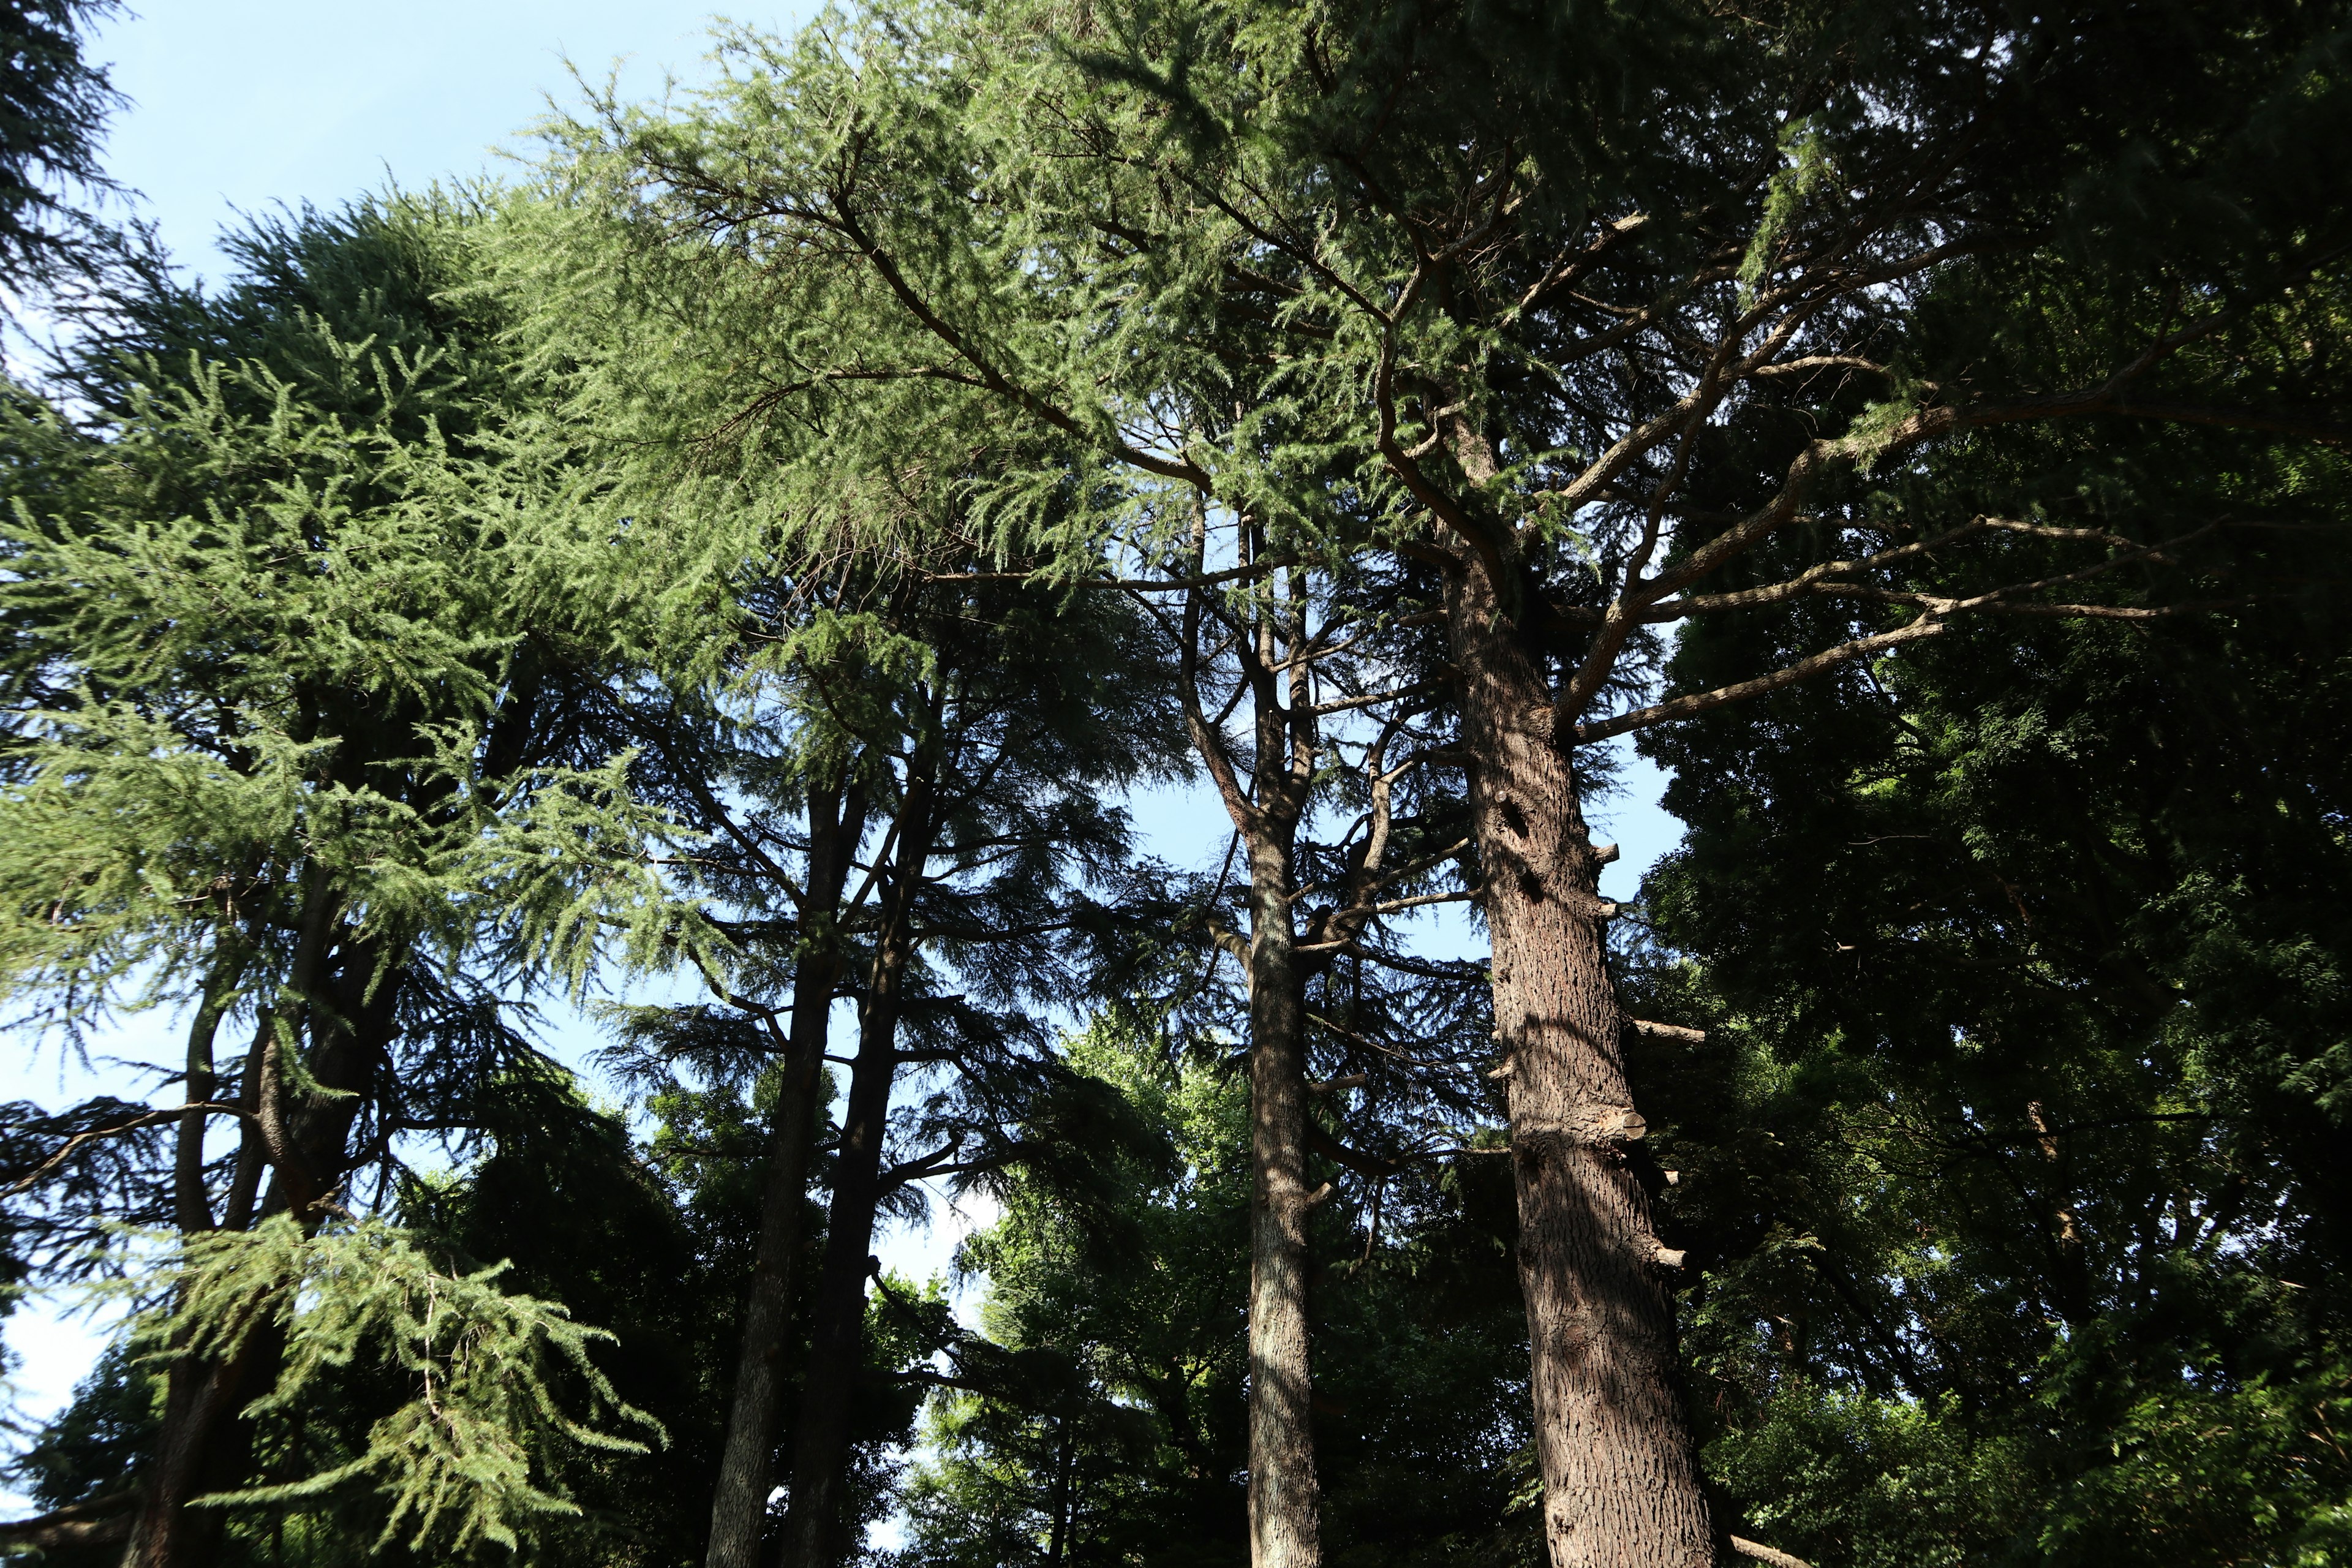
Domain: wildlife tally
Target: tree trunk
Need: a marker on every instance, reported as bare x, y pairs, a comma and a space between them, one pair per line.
739, 1504
837, 1329
1612, 1442
837, 1334
196, 1392
1284, 1524
192, 1205
205, 1447
1282, 1492
1057, 1541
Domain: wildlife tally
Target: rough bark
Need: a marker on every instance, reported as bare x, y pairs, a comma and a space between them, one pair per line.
837, 1326
1283, 1515
739, 1503
1621, 1480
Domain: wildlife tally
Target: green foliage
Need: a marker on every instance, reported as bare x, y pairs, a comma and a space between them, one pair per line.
468, 1457
651, 1242
100, 1440
1102, 1406
1875, 1480
1110, 1381
263, 631
306, 651
483, 593
2010, 1162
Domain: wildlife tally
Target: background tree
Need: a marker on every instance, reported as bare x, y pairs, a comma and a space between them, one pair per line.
1300, 657
1103, 1417
53, 105
2025, 949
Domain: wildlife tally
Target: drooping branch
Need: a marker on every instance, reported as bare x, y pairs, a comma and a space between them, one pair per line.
100, 1521
89, 1135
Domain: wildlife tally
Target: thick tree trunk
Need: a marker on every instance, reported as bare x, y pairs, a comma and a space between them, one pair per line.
1284, 1530
1621, 1480
837, 1329
739, 1503
205, 1445
201, 1400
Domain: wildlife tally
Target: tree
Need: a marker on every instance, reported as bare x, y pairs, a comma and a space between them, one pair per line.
285, 750
1284, 648
1278, 643
1267, 648
53, 105
1592, 309
2018, 947
1102, 1418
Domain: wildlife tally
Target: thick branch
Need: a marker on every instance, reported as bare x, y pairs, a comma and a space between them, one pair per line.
1926, 625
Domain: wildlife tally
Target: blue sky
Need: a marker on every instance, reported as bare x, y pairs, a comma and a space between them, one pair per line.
243, 104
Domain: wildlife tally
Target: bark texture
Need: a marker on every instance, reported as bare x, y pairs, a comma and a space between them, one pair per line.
739, 1503
1621, 1482
1283, 1512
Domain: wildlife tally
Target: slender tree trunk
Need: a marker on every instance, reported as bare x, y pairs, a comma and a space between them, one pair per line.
739, 1504
196, 1392
836, 1337
1621, 1480
1283, 1518
252, 1154
838, 1331
1284, 1522
1057, 1541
